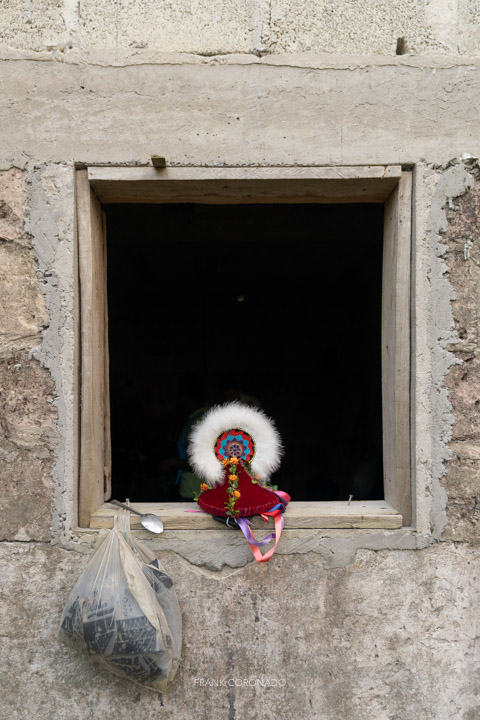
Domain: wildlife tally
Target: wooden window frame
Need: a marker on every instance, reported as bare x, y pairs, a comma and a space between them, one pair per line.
388, 184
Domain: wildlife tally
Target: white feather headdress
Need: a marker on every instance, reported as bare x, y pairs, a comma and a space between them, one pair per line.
268, 446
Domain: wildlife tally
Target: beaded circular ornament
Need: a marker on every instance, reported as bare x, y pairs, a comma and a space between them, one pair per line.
235, 443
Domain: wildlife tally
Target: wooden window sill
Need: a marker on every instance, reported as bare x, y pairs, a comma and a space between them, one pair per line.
299, 515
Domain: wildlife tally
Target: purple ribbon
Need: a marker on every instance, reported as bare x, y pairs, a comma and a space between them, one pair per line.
243, 524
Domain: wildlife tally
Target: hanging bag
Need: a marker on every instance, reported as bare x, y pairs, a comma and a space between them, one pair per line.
123, 611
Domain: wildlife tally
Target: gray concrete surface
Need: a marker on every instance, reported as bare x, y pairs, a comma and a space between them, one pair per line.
292, 111
391, 635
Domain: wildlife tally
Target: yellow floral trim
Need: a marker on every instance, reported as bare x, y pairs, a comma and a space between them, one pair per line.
232, 493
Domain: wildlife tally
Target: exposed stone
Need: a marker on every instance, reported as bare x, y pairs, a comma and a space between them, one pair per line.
27, 415
371, 27
12, 201
203, 27
22, 306
33, 24
462, 478
27, 440
447, 27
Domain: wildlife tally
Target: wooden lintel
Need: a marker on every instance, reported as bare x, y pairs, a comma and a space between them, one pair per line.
372, 183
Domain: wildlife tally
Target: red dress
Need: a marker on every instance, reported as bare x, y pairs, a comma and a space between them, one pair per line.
254, 499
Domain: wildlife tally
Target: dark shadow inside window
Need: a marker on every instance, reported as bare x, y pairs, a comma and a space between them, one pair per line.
278, 304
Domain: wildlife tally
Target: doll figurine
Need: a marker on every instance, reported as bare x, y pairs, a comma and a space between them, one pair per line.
234, 448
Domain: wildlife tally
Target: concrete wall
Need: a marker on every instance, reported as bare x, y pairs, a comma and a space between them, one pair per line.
386, 622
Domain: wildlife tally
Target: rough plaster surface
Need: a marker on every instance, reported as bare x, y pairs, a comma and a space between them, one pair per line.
352, 112
433, 332
390, 636
370, 27
462, 481
50, 223
220, 549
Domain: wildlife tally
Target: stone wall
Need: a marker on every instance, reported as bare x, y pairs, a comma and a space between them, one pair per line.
221, 27
365, 625
27, 393
462, 478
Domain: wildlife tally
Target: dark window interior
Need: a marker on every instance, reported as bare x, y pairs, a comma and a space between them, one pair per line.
278, 304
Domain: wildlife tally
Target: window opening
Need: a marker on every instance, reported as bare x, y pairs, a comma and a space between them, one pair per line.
279, 304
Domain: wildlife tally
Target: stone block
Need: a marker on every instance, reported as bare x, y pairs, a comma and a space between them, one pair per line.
12, 200
202, 27
22, 305
462, 483
468, 33
463, 382
32, 24
374, 27
27, 441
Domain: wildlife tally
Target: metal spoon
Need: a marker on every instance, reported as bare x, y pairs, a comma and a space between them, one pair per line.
149, 521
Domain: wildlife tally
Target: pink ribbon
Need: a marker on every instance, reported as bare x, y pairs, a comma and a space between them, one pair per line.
254, 545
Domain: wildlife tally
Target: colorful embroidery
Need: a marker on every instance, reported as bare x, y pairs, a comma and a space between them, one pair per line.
234, 444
